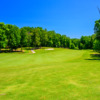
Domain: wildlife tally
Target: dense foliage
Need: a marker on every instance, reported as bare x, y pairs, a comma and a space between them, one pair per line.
13, 37
97, 32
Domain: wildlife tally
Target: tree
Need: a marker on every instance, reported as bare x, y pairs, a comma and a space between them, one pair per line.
2, 26
97, 29
86, 41
96, 45
50, 38
24, 37
58, 40
13, 36
65, 41
3, 39
93, 37
43, 37
76, 42
72, 46
36, 37
28, 34
81, 46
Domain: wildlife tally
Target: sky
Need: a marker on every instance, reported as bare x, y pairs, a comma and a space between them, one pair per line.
72, 18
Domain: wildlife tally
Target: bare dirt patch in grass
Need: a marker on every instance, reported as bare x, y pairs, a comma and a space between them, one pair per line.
50, 49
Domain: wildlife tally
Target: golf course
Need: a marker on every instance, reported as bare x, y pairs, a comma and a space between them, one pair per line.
50, 74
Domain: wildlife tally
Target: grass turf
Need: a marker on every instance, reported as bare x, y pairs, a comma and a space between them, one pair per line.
60, 74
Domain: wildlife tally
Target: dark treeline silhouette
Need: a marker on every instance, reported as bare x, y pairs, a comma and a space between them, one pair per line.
13, 37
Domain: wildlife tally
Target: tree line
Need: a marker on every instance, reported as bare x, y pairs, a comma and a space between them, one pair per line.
13, 37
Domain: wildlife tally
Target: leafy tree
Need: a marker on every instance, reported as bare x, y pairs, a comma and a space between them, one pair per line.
36, 37
93, 37
58, 40
72, 46
24, 37
13, 36
76, 42
96, 45
86, 41
81, 46
28, 35
97, 29
65, 41
43, 37
2, 26
50, 38
3, 39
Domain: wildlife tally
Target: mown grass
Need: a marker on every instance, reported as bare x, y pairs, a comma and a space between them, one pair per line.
60, 74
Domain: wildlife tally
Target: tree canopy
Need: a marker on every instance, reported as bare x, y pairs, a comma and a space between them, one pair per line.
96, 45
13, 37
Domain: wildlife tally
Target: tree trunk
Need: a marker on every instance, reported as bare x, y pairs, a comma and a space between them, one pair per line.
21, 48
11, 50
0, 49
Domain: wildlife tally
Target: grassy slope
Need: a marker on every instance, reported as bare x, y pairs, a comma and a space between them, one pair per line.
61, 74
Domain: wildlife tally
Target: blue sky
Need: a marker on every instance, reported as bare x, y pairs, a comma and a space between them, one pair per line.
73, 18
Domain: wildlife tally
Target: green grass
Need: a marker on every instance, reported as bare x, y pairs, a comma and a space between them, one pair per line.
60, 74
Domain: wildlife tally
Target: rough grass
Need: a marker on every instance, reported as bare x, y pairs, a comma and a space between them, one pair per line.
60, 74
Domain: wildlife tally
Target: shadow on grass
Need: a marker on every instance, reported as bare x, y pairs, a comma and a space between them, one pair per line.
32, 48
94, 57
8, 51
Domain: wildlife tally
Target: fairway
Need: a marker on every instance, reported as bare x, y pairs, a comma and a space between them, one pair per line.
59, 74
